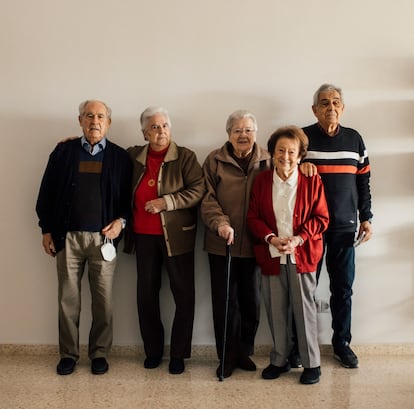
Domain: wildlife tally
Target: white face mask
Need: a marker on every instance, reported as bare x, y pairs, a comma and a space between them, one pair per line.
108, 250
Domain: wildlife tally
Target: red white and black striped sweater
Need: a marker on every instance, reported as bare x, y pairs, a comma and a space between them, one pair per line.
343, 164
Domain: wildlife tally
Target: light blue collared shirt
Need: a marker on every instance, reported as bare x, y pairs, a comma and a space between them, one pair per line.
93, 150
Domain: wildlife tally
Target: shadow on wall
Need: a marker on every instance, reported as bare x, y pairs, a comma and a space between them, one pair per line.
392, 73
392, 175
389, 140
384, 287
400, 237
393, 121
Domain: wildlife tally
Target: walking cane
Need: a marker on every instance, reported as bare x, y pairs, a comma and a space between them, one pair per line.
228, 262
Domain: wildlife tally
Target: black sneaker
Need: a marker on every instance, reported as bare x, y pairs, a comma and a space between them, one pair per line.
346, 356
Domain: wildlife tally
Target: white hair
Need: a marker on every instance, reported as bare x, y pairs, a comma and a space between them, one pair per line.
151, 111
83, 104
239, 114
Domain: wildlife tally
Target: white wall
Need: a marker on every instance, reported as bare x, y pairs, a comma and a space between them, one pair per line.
202, 60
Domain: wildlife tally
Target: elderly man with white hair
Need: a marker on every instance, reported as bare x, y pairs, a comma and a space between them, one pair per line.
84, 200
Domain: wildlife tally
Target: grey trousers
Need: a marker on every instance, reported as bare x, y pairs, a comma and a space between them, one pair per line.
282, 294
81, 248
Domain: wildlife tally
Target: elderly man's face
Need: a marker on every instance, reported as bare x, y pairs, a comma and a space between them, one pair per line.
242, 136
94, 122
329, 109
157, 132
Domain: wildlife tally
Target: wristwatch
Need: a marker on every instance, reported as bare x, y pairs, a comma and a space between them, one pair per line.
123, 222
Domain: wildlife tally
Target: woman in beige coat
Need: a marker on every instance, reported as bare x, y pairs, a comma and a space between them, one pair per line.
229, 173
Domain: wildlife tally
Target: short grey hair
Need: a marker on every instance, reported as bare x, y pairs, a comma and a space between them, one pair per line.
239, 114
151, 111
324, 88
83, 104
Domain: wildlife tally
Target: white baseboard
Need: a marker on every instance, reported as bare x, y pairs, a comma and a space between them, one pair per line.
204, 351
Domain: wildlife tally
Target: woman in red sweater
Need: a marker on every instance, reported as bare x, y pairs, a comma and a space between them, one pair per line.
287, 216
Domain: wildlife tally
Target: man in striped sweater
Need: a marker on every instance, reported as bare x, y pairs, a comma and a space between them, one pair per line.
341, 159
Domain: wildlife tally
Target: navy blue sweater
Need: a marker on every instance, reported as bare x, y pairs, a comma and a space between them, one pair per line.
343, 164
60, 181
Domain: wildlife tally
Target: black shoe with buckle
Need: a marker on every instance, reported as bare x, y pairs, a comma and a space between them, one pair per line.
310, 375
99, 366
66, 366
346, 356
273, 371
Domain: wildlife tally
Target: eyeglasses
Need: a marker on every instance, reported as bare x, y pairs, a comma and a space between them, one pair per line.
240, 131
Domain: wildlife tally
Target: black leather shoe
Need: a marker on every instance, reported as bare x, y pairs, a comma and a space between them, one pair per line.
228, 370
176, 366
99, 366
273, 371
246, 363
310, 375
66, 366
152, 362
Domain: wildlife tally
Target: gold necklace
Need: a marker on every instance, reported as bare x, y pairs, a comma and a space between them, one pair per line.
152, 173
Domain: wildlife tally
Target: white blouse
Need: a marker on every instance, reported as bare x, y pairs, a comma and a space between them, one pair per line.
284, 199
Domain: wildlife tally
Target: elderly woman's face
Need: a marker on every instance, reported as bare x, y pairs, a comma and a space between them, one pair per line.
242, 136
157, 132
286, 156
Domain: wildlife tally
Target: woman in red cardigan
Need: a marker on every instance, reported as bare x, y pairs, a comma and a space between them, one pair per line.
287, 216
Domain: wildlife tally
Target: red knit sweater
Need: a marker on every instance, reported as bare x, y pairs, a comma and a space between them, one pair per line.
144, 222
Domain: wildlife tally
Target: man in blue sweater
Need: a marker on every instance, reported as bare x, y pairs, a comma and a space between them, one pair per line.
84, 198
341, 159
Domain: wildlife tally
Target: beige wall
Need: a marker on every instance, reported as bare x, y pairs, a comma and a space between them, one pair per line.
202, 60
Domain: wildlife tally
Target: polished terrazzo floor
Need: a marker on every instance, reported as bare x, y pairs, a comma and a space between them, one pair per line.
29, 381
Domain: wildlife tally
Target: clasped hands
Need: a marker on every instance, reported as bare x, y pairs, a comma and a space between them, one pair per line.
285, 245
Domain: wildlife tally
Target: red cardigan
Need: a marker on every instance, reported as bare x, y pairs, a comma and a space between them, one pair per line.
310, 220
